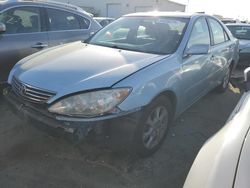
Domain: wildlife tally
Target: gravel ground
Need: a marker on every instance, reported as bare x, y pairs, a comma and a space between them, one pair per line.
31, 158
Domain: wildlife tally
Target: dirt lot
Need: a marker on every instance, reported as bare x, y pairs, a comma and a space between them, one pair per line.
31, 158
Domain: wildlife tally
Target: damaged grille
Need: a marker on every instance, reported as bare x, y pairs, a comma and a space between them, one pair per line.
31, 93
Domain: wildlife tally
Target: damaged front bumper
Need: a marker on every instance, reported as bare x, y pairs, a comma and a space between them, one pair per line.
79, 128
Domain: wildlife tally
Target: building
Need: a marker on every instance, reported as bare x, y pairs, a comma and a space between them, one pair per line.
117, 8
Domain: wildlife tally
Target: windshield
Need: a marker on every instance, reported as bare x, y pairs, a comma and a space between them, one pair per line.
158, 35
240, 32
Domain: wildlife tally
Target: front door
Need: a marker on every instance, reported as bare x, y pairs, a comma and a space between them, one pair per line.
195, 67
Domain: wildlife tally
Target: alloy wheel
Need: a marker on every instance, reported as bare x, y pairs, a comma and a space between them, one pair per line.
156, 126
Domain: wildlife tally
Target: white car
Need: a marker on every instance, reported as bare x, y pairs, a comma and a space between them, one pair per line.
224, 160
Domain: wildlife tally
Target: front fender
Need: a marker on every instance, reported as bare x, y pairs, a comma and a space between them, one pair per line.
152, 81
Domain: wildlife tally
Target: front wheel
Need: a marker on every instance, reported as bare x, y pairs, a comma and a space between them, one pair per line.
153, 126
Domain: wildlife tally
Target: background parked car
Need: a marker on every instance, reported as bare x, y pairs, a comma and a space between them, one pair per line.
224, 159
242, 32
227, 21
104, 20
27, 27
130, 84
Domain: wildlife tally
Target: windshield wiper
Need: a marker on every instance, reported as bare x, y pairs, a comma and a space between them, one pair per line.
117, 47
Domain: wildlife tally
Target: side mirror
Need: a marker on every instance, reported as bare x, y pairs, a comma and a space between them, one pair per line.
197, 49
2, 27
247, 79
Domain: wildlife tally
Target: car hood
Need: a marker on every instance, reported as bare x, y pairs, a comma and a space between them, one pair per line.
77, 67
244, 44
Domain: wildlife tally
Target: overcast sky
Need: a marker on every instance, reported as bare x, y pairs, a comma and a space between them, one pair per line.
227, 8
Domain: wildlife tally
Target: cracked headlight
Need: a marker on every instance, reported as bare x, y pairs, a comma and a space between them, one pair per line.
91, 104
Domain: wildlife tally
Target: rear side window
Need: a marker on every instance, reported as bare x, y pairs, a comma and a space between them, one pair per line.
21, 20
200, 33
61, 20
217, 31
84, 22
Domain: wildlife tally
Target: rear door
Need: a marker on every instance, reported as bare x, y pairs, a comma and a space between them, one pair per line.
66, 27
25, 34
222, 51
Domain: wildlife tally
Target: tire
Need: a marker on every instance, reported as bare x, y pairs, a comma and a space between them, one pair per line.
153, 126
224, 85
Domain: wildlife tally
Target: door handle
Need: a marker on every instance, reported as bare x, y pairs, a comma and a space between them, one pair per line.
39, 45
225, 50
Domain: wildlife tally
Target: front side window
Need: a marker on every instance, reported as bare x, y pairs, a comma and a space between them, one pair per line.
62, 20
200, 33
217, 31
21, 20
159, 35
240, 32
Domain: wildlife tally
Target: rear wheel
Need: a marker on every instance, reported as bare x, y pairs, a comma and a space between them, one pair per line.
153, 126
224, 85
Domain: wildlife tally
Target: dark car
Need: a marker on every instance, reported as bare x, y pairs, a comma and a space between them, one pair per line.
242, 32
29, 26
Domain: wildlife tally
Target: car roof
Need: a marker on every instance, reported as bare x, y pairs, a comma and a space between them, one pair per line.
167, 14
47, 2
